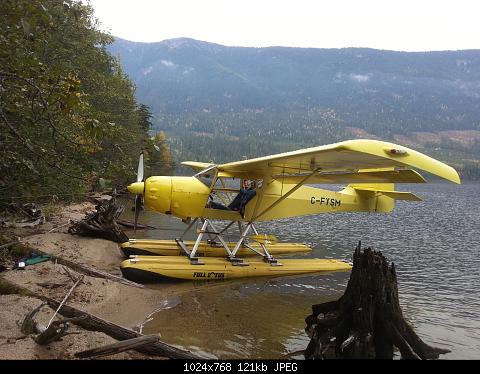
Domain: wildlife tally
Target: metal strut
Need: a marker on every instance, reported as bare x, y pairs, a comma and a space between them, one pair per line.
231, 254
267, 256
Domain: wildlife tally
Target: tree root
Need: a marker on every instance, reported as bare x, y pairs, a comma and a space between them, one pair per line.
367, 320
102, 223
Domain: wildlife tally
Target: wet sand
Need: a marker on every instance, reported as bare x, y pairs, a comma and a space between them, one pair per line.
121, 304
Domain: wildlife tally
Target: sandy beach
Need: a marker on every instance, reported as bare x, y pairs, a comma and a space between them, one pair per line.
118, 303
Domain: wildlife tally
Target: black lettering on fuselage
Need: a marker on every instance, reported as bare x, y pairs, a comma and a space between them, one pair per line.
325, 201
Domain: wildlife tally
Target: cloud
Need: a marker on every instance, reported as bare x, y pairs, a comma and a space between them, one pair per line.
147, 70
167, 63
359, 77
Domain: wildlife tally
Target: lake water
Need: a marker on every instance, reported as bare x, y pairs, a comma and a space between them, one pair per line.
435, 245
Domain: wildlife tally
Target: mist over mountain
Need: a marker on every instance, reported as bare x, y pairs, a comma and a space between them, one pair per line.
223, 103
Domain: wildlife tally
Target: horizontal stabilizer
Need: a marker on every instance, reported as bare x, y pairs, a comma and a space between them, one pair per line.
397, 195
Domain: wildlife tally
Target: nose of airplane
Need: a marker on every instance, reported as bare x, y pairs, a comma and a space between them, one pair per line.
136, 188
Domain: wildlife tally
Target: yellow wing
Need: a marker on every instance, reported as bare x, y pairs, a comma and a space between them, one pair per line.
197, 166
372, 157
362, 176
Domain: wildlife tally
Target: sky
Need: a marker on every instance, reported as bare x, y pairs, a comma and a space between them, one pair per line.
401, 25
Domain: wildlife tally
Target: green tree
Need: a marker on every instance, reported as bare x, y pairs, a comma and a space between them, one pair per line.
68, 114
160, 158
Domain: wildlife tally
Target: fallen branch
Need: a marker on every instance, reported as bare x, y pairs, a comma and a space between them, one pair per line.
23, 215
9, 244
93, 323
29, 325
84, 269
59, 227
56, 331
38, 221
102, 274
50, 285
64, 300
70, 275
118, 347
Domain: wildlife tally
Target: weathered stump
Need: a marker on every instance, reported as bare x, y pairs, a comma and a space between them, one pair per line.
102, 223
367, 321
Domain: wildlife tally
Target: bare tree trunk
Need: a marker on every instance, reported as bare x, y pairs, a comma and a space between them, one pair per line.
367, 321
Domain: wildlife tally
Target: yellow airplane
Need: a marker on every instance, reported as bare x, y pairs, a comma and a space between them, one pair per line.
370, 168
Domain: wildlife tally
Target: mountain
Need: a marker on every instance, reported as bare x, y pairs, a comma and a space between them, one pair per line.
219, 103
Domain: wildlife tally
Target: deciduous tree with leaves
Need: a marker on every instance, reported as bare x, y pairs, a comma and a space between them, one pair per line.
68, 113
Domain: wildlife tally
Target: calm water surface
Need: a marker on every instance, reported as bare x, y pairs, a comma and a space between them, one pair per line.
435, 245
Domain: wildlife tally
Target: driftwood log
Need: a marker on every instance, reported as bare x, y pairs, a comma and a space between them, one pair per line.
91, 322
367, 321
102, 223
81, 268
21, 215
118, 347
94, 323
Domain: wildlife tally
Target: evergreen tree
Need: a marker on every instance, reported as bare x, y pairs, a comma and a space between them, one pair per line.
68, 114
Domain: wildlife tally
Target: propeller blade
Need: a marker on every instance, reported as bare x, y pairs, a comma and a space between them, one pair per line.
140, 168
138, 207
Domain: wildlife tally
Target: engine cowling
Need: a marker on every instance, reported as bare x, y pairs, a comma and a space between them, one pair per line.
182, 197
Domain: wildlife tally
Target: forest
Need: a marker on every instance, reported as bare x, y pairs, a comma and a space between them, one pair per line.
221, 103
70, 122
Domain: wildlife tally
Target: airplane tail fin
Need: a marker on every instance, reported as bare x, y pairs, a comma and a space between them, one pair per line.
380, 197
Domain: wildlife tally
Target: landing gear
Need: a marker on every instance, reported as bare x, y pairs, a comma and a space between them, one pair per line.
208, 228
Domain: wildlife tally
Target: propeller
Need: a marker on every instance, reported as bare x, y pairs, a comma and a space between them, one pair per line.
138, 207
140, 169
138, 188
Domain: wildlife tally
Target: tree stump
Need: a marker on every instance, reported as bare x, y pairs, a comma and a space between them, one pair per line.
102, 223
367, 321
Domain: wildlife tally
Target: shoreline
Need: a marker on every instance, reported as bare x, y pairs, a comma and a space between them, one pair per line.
118, 303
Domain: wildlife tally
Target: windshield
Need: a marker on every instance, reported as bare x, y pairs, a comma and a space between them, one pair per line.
207, 176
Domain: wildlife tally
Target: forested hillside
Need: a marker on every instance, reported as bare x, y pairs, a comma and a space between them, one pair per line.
69, 119
224, 103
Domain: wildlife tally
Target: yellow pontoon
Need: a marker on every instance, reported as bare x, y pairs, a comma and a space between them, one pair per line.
154, 268
205, 248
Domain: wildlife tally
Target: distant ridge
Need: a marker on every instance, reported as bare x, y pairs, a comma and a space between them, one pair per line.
220, 103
